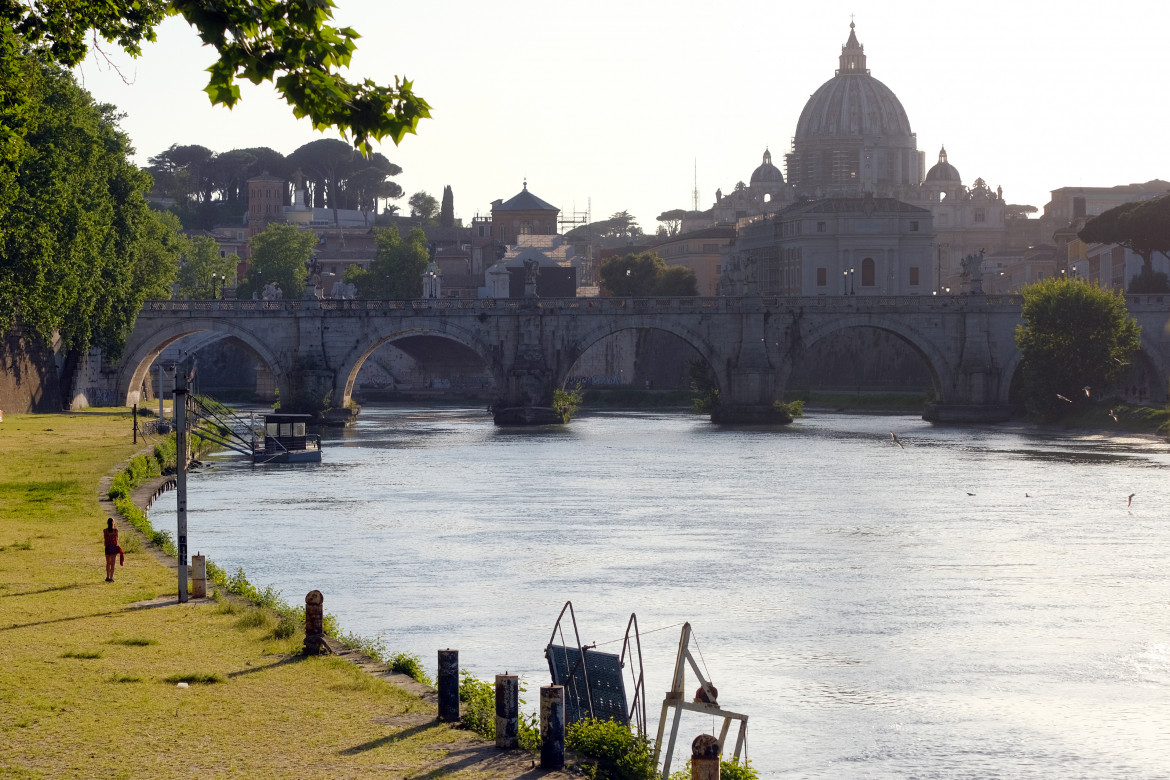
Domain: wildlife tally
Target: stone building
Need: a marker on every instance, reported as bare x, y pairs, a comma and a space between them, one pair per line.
521, 215
835, 246
701, 251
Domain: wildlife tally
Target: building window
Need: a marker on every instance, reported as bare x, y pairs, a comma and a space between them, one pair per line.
710, 247
821, 227
822, 277
867, 272
913, 226
980, 215
913, 276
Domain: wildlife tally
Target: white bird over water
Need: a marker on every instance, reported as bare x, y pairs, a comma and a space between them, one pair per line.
894, 436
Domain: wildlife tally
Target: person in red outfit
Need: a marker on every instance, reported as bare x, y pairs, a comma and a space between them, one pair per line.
110, 537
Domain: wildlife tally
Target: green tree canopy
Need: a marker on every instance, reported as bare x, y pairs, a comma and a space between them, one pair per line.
621, 229
280, 256
672, 220
645, 274
1143, 227
397, 268
1073, 336
290, 44
161, 247
79, 248
203, 273
423, 206
447, 210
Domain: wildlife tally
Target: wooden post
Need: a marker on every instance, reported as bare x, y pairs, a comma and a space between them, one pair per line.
705, 758
552, 727
507, 711
448, 684
135, 423
314, 622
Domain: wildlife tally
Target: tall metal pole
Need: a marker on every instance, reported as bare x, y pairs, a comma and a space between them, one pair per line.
180, 404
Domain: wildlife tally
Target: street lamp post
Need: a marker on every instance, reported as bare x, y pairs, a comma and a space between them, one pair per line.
938, 269
852, 271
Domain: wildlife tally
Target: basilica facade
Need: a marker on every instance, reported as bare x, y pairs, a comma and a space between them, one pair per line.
853, 142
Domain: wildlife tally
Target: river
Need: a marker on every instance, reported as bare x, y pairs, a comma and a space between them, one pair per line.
979, 602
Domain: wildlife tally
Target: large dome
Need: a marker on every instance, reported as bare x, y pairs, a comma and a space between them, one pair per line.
852, 103
854, 136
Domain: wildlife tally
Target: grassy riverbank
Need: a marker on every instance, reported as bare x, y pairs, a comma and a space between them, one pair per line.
89, 669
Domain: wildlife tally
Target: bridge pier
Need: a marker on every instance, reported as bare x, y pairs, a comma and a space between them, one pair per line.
528, 391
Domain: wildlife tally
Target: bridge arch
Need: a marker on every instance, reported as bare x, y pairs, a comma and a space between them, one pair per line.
138, 357
351, 364
591, 336
933, 357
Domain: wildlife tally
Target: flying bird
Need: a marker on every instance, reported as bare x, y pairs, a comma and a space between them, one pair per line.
1113, 414
1086, 389
1061, 397
970, 494
895, 438
1130, 501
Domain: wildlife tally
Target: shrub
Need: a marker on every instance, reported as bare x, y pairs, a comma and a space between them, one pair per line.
410, 664
479, 704
617, 753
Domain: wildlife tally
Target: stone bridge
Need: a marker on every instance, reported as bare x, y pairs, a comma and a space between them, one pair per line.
530, 345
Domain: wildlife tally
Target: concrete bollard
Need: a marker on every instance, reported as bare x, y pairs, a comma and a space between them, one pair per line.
552, 727
199, 576
448, 684
705, 758
314, 622
507, 711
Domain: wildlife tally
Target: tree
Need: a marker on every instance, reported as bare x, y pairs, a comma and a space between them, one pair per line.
160, 248
79, 248
280, 256
645, 274
447, 212
1018, 211
291, 45
619, 230
397, 268
672, 220
203, 273
423, 206
1075, 341
1142, 227
677, 282
1149, 282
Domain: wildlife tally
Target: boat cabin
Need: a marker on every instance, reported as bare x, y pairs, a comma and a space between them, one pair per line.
287, 441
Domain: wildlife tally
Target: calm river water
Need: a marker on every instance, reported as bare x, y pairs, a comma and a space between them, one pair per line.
979, 604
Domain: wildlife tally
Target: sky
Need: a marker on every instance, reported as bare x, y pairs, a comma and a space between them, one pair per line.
608, 106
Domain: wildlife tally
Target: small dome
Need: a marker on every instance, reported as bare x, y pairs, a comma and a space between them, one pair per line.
767, 173
943, 171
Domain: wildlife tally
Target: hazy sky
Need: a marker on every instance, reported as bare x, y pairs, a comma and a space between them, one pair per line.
613, 105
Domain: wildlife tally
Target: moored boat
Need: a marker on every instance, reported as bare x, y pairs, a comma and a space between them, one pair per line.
285, 440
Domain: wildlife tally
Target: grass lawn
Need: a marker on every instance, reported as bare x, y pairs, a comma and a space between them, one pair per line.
88, 679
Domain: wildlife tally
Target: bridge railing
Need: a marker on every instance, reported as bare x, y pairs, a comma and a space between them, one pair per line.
441, 306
